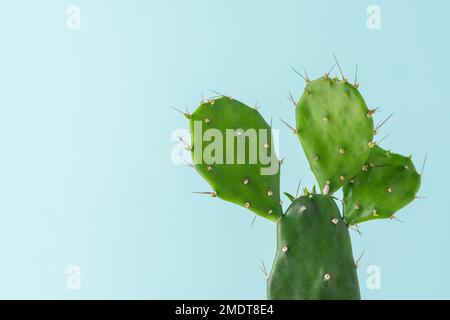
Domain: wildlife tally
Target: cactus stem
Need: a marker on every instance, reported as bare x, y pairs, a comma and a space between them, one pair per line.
294, 131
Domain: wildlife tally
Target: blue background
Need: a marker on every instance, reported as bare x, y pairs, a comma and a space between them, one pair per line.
86, 176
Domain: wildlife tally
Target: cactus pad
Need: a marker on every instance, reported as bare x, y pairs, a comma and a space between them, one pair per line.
314, 257
335, 128
386, 183
232, 150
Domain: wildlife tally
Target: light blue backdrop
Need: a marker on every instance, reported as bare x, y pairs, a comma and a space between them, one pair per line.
86, 176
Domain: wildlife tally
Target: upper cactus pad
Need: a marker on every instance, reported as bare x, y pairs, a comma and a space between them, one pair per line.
335, 128
386, 183
248, 176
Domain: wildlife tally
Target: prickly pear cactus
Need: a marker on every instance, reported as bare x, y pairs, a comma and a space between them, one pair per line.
386, 183
232, 150
314, 257
335, 128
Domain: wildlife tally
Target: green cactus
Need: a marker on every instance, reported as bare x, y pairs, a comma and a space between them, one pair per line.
386, 183
335, 128
239, 163
314, 257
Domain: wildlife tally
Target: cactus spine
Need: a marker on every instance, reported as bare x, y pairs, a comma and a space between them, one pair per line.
232, 149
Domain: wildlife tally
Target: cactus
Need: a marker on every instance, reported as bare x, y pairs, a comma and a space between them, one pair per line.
335, 128
232, 163
386, 183
314, 257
